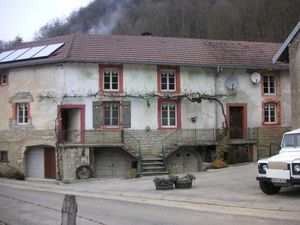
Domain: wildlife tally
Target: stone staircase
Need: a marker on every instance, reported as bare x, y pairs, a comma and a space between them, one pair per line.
153, 166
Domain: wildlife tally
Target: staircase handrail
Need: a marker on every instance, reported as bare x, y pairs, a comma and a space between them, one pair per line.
163, 143
134, 139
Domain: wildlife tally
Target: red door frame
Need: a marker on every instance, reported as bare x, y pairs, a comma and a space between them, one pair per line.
82, 118
245, 125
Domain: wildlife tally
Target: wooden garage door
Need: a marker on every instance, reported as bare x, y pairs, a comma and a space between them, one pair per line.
35, 162
112, 163
184, 161
50, 164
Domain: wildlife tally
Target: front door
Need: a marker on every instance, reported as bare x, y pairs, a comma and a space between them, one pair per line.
236, 125
49, 161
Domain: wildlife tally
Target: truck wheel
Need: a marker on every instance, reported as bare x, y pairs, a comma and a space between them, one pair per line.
268, 188
84, 172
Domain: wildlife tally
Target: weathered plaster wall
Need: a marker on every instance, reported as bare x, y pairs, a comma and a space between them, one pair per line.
200, 80
285, 99
246, 92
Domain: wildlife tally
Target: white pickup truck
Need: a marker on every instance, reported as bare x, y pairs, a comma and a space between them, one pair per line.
283, 169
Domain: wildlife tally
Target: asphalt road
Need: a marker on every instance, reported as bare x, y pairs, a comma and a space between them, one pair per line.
227, 196
27, 207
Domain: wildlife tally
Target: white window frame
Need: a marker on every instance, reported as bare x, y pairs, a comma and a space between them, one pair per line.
111, 71
168, 73
168, 104
25, 107
269, 84
110, 104
269, 113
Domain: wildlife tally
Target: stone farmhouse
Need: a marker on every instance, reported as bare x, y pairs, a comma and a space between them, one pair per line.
122, 104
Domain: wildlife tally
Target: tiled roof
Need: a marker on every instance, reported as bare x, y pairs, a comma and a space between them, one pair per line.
157, 50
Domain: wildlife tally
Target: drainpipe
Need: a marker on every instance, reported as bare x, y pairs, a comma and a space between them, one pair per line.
216, 75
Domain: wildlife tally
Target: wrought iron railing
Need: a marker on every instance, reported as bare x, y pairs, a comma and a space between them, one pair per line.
89, 137
132, 143
193, 137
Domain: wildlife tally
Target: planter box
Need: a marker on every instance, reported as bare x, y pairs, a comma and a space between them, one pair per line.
165, 186
183, 184
163, 183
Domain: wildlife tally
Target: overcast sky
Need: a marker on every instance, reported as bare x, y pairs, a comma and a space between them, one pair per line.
25, 17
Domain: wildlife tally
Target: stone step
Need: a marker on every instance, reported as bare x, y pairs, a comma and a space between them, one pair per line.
151, 173
152, 163
154, 168
152, 159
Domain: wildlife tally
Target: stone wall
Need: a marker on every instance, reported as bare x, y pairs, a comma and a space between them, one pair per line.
269, 137
294, 57
150, 141
15, 142
72, 158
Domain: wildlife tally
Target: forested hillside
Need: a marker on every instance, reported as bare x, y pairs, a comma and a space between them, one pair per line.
259, 20
255, 20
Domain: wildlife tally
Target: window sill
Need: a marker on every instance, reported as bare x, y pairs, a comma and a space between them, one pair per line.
168, 128
111, 128
168, 92
271, 124
111, 92
13, 124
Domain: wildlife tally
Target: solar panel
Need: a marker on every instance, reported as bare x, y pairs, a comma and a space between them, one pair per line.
5, 54
48, 50
15, 54
31, 52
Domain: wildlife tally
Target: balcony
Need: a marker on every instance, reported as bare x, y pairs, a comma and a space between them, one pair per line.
90, 137
182, 137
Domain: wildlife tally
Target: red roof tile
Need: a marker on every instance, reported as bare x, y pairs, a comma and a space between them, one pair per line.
157, 50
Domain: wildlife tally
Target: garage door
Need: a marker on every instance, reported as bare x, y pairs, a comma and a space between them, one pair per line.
35, 163
184, 161
112, 163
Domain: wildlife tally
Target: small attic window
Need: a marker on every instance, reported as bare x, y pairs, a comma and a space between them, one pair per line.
3, 78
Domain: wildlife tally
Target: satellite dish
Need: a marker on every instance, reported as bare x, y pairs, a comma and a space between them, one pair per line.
255, 78
231, 82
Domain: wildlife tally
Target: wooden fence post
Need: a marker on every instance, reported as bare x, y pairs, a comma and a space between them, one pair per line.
69, 210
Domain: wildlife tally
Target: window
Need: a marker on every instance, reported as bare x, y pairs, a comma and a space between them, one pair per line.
3, 156
111, 114
3, 78
269, 84
22, 113
168, 115
167, 80
270, 113
111, 78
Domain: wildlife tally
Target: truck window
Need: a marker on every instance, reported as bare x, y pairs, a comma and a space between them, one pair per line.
291, 140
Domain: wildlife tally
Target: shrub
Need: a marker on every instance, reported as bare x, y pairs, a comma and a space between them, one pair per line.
14, 173
222, 147
131, 173
218, 164
18, 176
172, 170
